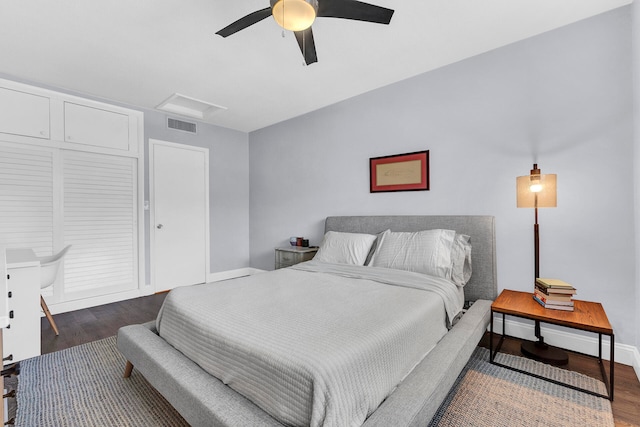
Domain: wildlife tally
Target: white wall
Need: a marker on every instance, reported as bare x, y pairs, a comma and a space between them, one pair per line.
562, 99
635, 7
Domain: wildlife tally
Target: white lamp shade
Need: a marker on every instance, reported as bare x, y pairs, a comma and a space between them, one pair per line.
537, 191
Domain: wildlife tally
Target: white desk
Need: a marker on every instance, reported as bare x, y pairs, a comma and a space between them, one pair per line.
21, 337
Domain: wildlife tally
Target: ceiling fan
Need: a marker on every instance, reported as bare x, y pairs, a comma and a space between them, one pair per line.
298, 15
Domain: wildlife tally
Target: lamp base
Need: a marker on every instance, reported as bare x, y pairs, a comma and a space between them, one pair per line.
544, 353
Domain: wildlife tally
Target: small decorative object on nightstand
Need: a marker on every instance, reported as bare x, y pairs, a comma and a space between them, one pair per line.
286, 257
554, 294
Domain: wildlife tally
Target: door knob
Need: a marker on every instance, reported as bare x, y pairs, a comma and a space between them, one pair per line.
159, 226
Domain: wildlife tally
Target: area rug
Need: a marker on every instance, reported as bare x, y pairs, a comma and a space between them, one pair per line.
492, 396
83, 387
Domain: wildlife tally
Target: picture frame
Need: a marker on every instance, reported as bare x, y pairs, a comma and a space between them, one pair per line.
399, 172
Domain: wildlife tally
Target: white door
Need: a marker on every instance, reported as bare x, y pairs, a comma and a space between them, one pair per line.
179, 196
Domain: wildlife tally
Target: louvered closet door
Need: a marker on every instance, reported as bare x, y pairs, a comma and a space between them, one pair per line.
100, 221
26, 198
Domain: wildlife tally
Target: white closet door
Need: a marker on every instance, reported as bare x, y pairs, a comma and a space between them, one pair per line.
100, 221
26, 198
179, 176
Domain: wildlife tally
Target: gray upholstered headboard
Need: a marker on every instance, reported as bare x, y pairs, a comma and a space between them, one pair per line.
483, 283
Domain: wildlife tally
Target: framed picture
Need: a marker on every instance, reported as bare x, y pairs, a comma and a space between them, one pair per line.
400, 172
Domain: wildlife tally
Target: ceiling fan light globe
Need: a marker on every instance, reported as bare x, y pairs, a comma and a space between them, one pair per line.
294, 15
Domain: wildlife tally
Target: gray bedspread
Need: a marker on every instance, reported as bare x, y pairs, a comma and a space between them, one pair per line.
318, 344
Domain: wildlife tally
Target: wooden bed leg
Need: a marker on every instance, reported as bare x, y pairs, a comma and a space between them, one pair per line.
128, 369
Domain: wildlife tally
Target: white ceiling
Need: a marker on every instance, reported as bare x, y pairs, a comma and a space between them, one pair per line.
140, 52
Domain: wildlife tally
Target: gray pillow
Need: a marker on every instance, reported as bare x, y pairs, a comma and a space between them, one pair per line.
461, 259
427, 252
345, 248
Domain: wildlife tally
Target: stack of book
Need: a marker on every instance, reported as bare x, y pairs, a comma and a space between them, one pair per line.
554, 294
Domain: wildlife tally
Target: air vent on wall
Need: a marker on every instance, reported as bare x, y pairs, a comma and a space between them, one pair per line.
181, 125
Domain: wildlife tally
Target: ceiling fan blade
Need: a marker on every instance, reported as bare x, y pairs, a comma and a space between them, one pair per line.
356, 10
307, 45
245, 22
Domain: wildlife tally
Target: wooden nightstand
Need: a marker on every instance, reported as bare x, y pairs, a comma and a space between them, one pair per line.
286, 257
587, 316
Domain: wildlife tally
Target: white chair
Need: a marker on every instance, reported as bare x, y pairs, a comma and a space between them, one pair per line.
49, 266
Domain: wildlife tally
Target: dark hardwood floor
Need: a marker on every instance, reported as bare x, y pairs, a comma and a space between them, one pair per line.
626, 407
79, 327
90, 324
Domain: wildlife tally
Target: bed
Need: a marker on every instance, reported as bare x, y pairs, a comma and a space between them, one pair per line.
414, 390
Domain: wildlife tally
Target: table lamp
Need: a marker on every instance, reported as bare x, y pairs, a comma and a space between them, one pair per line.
539, 191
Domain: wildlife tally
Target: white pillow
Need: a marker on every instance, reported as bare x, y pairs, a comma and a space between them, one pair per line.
461, 260
344, 248
427, 251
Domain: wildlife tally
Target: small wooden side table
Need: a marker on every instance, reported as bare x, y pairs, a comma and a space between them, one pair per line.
587, 316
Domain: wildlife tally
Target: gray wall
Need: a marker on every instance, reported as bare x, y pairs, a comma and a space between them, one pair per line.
562, 99
635, 7
228, 187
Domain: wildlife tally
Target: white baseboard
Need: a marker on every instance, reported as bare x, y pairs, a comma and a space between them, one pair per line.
587, 344
79, 304
232, 274
145, 290
636, 362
